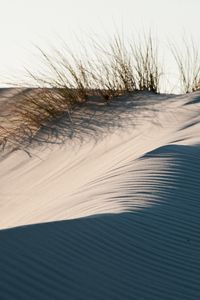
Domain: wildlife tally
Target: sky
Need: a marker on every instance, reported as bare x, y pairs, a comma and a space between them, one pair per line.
26, 23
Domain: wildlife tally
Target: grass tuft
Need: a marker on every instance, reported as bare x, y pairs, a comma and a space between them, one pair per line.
188, 62
69, 80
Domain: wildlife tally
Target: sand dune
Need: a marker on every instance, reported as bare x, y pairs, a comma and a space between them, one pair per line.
112, 213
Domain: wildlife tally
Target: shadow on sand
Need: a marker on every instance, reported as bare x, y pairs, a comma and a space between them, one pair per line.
152, 253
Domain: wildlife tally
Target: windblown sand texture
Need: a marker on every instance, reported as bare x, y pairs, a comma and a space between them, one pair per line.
112, 213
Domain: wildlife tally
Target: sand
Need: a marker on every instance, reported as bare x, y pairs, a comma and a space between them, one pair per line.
112, 213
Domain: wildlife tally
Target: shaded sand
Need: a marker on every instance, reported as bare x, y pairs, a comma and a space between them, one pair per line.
115, 211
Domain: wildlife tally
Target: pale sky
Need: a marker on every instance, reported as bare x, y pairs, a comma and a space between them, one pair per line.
27, 22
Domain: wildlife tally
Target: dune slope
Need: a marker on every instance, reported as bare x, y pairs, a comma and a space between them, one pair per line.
112, 213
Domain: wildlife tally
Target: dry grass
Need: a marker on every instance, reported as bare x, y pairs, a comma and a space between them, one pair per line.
69, 81
188, 62
147, 67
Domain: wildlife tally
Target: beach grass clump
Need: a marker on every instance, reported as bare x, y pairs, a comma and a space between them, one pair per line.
188, 61
116, 68
122, 67
146, 65
69, 80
